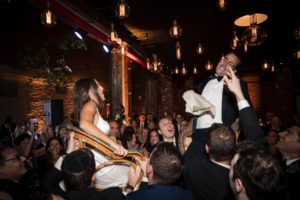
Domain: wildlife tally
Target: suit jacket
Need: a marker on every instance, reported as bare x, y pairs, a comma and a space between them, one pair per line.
293, 179
229, 104
113, 193
160, 192
207, 180
250, 127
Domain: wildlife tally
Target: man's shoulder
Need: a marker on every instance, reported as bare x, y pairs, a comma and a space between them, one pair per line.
161, 192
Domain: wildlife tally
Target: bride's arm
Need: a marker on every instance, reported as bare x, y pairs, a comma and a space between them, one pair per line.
87, 116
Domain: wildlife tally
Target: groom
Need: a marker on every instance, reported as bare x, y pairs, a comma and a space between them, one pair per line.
218, 94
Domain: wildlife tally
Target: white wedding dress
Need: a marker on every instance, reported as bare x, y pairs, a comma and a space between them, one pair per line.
112, 175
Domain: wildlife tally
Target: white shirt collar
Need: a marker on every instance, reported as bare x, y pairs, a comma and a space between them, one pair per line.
288, 162
221, 164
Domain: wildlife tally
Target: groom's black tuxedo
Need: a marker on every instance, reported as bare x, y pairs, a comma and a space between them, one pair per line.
229, 104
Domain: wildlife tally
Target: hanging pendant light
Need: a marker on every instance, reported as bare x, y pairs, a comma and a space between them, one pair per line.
113, 34
48, 17
221, 4
175, 30
155, 63
122, 9
176, 70
178, 50
266, 66
195, 70
297, 33
183, 70
245, 48
273, 68
208, 66
148, 64
199, 49
254, 35
235, 42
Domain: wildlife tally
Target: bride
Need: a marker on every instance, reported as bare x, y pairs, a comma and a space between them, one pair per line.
88, 102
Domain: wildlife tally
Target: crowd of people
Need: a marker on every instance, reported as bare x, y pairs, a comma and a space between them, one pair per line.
261, 161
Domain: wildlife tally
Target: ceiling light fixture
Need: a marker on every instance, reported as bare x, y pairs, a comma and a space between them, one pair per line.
195, 70
200, 49
183, 70
178, 50
235, 42
254, 35
122, 9
156, 65
221, 4
80, 33
48, 18
176, 70
208, 66
266, 65
297, 33
106, 48
175, 30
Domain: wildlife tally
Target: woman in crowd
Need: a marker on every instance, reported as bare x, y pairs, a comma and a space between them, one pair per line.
152, 140
53, 150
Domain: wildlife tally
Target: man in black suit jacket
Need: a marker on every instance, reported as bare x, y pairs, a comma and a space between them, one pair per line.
217, 93
163, 170
289, 147
207, 177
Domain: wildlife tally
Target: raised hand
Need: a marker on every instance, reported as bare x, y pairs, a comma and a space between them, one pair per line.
233, 84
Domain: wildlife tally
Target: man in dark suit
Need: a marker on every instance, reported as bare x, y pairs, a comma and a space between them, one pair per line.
224, 100
207, 178
289, 147
163, 170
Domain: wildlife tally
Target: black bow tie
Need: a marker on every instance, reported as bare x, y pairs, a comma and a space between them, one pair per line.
219, 78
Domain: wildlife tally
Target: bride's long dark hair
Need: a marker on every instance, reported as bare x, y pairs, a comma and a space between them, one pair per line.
81, 97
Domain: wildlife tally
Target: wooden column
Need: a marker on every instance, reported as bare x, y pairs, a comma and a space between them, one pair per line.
118, 82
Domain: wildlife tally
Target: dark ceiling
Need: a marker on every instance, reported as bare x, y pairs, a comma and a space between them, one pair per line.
147, 27
201, 21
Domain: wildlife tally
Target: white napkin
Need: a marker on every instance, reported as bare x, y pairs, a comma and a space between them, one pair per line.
197, 104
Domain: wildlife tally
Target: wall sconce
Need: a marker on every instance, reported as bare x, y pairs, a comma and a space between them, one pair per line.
175, 30
183, 70
80, 33
122, 9
195, 70
266, 65
221, 4
178, 51
48, 18
208, 66
199, 49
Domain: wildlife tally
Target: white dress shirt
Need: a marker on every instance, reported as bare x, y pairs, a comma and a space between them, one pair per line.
212, 92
